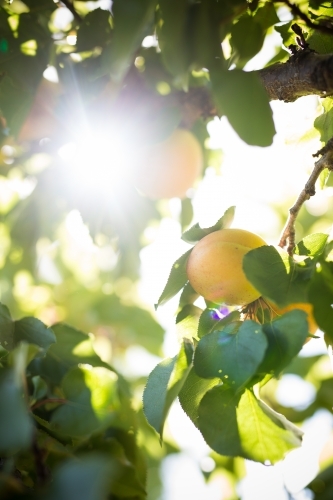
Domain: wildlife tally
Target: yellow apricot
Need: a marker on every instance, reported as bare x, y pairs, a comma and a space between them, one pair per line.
215, 266
168, 169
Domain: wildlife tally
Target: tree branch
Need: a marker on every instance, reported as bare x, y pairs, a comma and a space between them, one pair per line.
326, 161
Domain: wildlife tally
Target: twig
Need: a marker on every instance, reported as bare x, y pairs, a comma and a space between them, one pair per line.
42, 471
326, 161
325, 28
43, 402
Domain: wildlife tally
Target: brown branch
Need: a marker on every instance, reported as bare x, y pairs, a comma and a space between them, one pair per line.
288, 233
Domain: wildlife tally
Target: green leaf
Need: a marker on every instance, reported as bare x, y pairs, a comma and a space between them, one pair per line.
243, 426
33, 331
131, 19
247, 37
6, 328
192, 392
287, 34
212, 320
324, 122
242, 98
177, 279
266, 436
266, 16
321, 297
172, 37
286, 336
92, 401
71, 348
312, 245
322, 484
186, 214
233, 354
187, 321
196, 233
16, 426
163, 386
86, 478
274, 275
188, 295
94, 31
320, 42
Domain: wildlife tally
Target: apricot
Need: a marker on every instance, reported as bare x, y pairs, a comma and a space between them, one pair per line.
169, 168
215, 270
303, 306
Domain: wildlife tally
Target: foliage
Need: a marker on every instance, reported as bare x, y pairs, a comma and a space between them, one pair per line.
85, 88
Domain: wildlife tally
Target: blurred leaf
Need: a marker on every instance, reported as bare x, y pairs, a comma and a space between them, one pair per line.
86, 479
72, 347
131, 19
192, 392
187, 321
177, 279
237, 425
6, 328
247, 37
196, 233
163, 386
33, 331
233, 354
188, 295
94, 31
286, 336
322, 484
324, 122
266, 16
274, 275
186, 214
92, 401
312, 245
321, 297
16, 426
320, 42
242, 98
172, 37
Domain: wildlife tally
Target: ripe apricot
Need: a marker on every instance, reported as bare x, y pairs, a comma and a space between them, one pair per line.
215, 270
303, 306
169, 168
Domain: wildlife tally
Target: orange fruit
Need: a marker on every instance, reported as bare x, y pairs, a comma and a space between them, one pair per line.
215, 266
169, 168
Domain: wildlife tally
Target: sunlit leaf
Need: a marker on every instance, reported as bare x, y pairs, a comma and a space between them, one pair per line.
163, 386
92, 401
312, 245
233, 353
196, 233
177, 279
324, 122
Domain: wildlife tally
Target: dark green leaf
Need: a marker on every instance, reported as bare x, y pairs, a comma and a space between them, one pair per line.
177, 279
33, 331
212, 320
87, 478
192, 392
321, 297
172, 37
312, 245
188, 295
131, 19
266, 16
94, 31
322, 484
242, 98
92, 401
274, 275
286, 336
320, 42
163, 386
324, 122
6, 328
233, 354
247, 37
196, 233
15, 423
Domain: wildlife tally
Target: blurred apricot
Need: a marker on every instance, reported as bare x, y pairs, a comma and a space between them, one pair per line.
169, 168
215, 266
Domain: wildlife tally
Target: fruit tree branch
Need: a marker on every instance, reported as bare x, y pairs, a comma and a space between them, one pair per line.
326, 161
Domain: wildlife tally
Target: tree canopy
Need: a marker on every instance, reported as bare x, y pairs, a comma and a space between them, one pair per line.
91, 94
